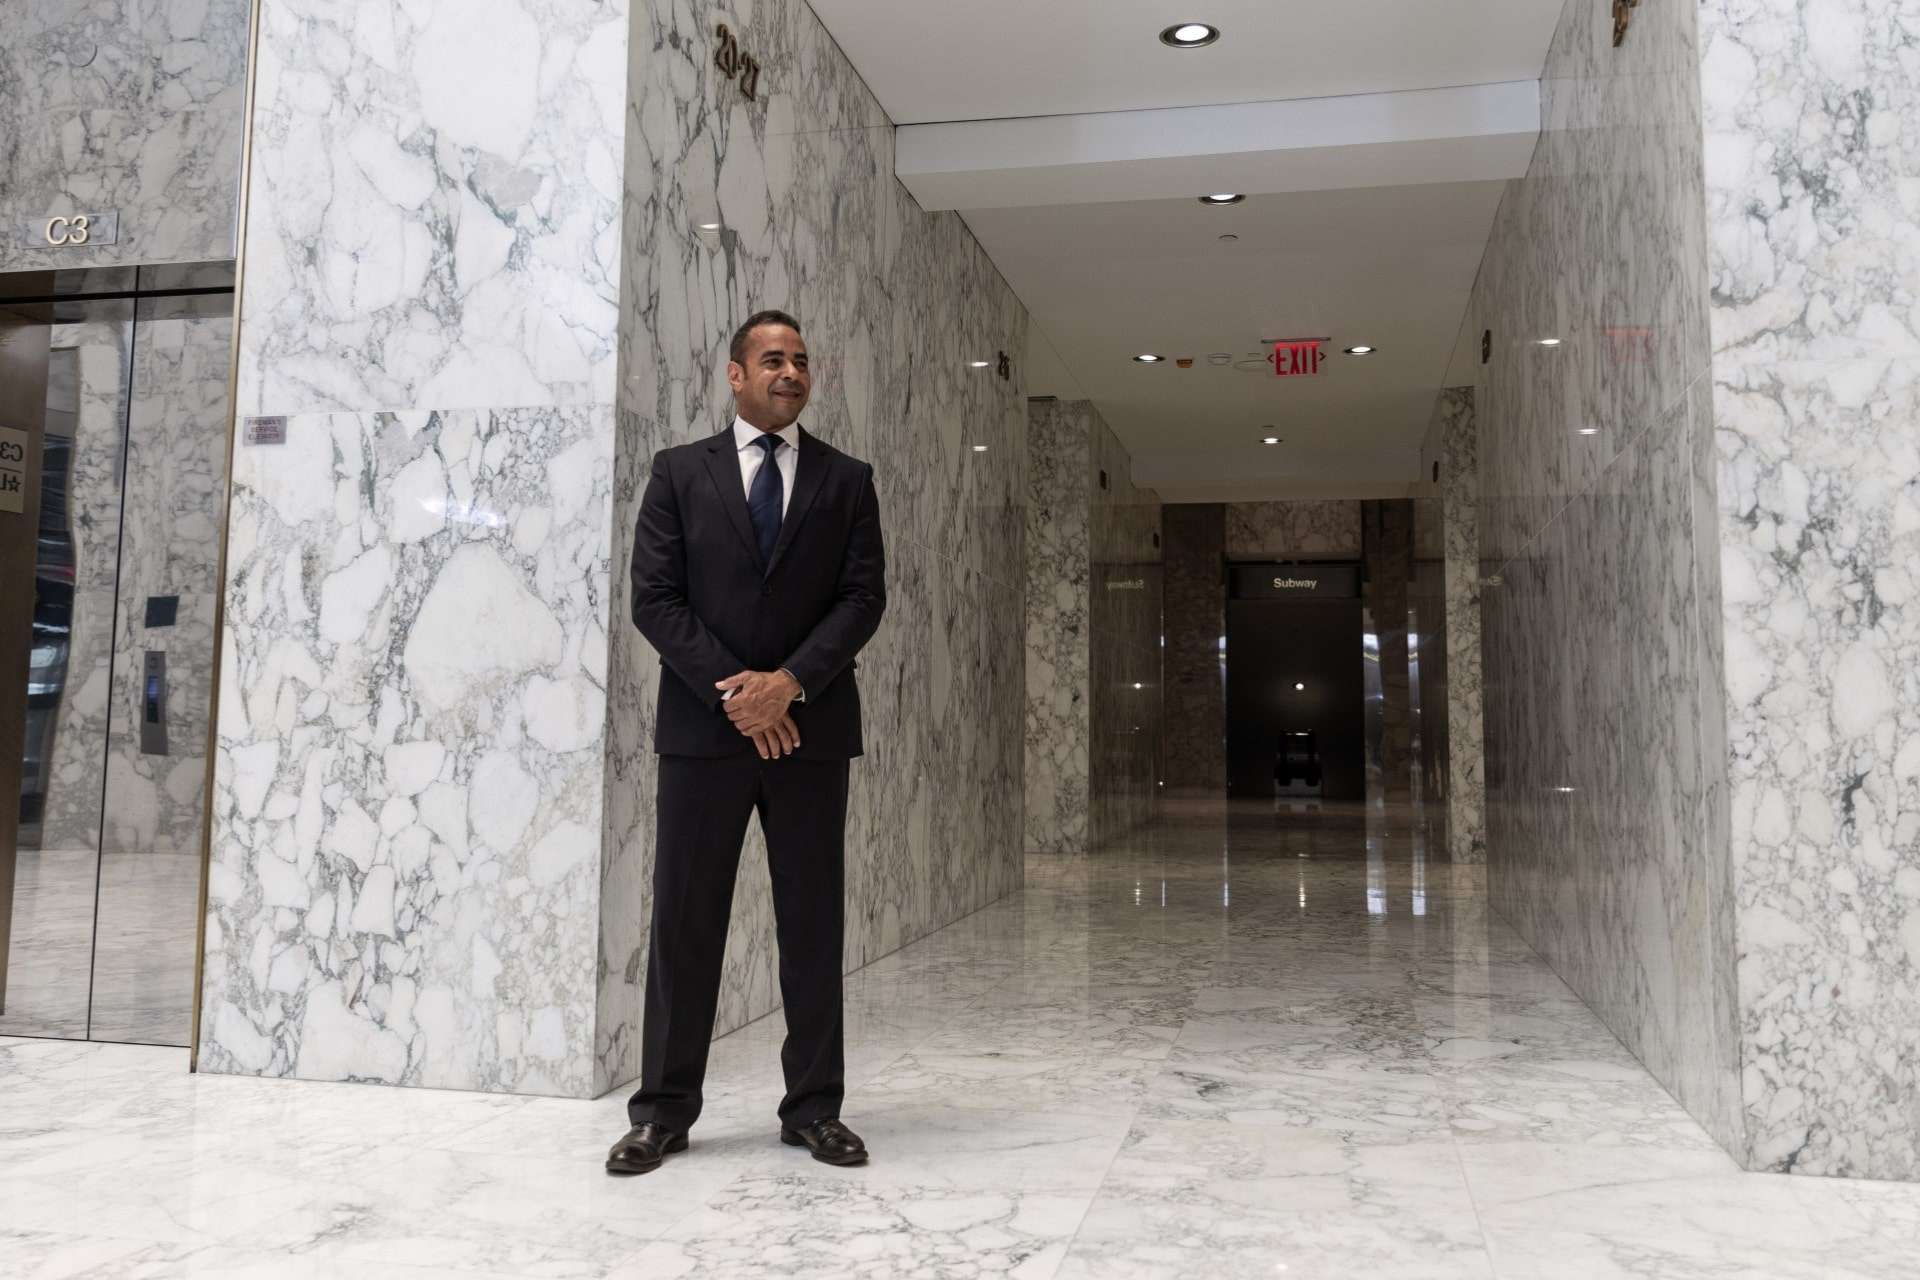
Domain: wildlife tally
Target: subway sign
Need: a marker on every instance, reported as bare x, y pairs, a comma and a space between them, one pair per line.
1294, 581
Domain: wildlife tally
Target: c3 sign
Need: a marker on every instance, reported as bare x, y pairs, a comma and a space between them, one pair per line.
74, 230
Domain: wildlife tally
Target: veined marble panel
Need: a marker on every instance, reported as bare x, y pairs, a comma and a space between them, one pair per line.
1061, 492
1605, 769
896, 305
1456, 436
1810, 122
130, 107
411, 741
1300, 527
435, 205
1124, 639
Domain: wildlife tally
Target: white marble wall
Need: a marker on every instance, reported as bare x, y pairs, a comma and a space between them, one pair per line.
1304, 527
412, 738
896, 305
1812, 140
1606, 796
125, 106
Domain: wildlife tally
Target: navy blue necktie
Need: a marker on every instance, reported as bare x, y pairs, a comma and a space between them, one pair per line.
763, 500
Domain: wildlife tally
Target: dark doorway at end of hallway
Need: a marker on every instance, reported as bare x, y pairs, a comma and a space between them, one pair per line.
1295, 697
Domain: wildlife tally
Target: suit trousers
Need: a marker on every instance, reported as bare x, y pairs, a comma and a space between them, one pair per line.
704, 805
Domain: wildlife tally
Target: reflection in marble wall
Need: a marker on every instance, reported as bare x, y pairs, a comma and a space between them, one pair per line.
127, 106
896, 305
1059, 649
87, 402
1387, 537
1194, 729
1812, 136
149, 893
1605, 775
169, 546
1301, 527
1124, 636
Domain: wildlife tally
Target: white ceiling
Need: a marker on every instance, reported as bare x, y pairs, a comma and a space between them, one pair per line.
1376, 237
1106, 282
989, 59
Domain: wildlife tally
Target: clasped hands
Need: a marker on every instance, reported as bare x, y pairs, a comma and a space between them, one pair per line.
758, 709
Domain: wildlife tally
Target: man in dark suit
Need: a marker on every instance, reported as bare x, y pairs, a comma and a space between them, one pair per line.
758, 574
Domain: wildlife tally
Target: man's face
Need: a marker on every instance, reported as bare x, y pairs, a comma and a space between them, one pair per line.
771, 387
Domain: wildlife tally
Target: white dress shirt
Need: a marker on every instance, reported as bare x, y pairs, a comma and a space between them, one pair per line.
753, 457
786, 457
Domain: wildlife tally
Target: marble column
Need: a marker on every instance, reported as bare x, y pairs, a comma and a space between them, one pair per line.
1059, 654
1093, 634
1124, 640
1811, 490
1195, 709
1451, 688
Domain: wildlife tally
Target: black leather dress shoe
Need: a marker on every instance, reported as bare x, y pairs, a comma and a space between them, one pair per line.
644, 1147
830, 1141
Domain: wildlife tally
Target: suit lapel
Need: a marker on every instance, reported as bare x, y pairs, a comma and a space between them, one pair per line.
810, 472
723, 467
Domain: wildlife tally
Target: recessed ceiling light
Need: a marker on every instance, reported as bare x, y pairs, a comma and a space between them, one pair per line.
1269, 439
978, 364
1589, 431
1189, 35
1229, 237
1548, 342
1147, 357
1362, 350
979, 448
1298, 687
1222, 197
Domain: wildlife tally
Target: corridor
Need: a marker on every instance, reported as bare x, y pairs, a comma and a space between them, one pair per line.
1270, 1044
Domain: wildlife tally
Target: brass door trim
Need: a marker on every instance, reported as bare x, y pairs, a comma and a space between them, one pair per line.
226, 518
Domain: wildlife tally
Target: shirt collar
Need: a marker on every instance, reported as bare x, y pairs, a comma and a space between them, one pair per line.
745, 433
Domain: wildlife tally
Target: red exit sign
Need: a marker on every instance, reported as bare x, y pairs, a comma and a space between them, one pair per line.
1296, 357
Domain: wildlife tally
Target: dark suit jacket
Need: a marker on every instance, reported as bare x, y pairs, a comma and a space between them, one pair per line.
704, 600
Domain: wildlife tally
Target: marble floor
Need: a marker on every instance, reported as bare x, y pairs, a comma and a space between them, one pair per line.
1275, 1044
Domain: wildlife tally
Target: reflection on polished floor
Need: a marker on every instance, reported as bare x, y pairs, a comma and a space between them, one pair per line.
1280, 1044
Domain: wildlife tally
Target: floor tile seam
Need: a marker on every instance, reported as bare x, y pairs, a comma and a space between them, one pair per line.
1473, 1202
1106, 1176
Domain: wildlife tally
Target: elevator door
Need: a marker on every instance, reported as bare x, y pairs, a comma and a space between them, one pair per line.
118, 380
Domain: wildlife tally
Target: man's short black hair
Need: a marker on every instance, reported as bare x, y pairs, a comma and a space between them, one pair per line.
738, 351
